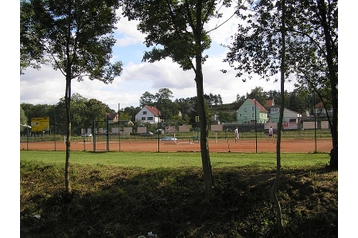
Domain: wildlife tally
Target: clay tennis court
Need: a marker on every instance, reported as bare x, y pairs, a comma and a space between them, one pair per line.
246, 146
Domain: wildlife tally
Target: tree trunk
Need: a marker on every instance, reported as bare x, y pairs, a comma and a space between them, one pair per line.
68, 190
68, 136
333, 77
204, 146
278, 143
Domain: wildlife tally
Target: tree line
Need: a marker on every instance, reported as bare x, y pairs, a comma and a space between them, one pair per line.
173, 112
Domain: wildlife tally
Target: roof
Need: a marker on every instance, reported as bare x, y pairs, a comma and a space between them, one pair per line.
111, 115
319, 105
258, 105
153, 110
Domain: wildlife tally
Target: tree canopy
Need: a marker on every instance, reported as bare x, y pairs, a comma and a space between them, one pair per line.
76, 38
311, 48
175, 29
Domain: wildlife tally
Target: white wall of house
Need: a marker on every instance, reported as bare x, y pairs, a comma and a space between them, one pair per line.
288, 115
144, 115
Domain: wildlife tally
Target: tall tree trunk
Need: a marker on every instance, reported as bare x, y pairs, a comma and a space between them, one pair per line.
68, 135
278, 143
204, 146
68, 112
333, 77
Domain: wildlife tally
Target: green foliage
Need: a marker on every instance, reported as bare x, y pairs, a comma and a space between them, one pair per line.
171, 28
83, 112
310, 43
77, 37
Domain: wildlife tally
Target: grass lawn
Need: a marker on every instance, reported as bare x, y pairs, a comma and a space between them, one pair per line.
176, 160
124, 194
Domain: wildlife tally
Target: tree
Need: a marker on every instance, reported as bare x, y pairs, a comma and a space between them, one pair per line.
175, 29
76, 37
260, 47
282, 8
96, 111
147, 99
259, 94
316, 24
296, 101
226, 117
132, 111
311, 51
167, 108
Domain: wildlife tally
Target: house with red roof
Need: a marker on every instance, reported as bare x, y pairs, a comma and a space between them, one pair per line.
249, 109
320, 110
148, 114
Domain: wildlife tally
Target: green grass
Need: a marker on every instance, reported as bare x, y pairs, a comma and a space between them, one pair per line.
176, 160
127, 194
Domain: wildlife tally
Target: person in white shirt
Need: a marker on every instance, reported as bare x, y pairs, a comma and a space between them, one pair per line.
270, 133
236, 135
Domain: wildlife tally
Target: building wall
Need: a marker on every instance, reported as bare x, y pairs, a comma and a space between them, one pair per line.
309, 125
288, 116
184, 128
127, 130
246, 114
144, 115
216, 128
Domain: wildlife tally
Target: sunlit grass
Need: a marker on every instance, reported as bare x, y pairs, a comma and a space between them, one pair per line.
177, 159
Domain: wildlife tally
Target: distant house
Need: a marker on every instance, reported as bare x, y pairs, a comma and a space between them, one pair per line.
112, 117
246, 113
148, 114
288, 115
319, 110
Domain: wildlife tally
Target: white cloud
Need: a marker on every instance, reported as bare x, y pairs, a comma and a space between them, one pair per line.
127, 32
222, 28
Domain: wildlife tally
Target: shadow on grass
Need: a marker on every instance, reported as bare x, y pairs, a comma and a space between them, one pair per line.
125, 202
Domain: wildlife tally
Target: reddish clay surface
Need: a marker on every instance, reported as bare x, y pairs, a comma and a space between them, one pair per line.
247, 146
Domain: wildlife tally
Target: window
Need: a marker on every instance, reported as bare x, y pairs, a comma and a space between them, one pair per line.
144, 112
143, 118
245, 109
150, 118
252, 114
252, 108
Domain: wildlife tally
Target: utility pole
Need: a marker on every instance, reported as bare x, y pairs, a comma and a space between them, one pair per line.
255, 121
119, 128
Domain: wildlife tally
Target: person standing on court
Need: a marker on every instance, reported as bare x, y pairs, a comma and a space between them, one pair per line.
236, 135
270, 133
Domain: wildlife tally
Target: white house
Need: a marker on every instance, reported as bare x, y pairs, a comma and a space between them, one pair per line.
288, 115
320, 110
148, 114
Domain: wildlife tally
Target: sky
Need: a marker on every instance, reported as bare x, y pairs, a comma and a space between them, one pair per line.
47, 86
